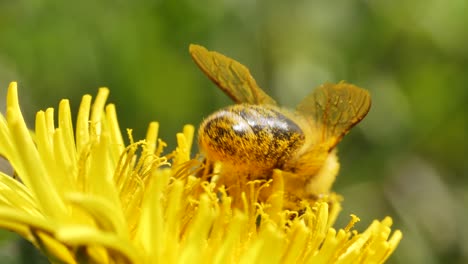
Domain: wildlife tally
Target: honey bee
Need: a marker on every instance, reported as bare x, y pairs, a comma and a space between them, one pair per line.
255, 136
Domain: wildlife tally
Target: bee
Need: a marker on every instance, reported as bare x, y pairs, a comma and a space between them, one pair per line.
256, 136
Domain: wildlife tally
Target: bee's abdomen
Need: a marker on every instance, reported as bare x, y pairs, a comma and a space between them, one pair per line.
251, 136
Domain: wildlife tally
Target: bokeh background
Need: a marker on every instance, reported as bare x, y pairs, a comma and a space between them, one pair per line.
407, 159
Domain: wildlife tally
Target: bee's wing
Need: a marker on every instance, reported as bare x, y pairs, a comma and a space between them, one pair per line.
231, 76
335, 109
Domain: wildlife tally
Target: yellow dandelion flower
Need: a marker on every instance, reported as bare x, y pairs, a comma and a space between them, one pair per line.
82, 196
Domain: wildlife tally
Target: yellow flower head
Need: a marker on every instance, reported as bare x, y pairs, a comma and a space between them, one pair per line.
83, 196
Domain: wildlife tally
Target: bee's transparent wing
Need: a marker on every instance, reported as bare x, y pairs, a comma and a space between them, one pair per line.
335, 109
229, 75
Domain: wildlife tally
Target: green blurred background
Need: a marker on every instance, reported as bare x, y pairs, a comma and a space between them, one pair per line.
407, 159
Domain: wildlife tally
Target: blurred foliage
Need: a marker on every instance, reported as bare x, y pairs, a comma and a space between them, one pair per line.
407, 159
